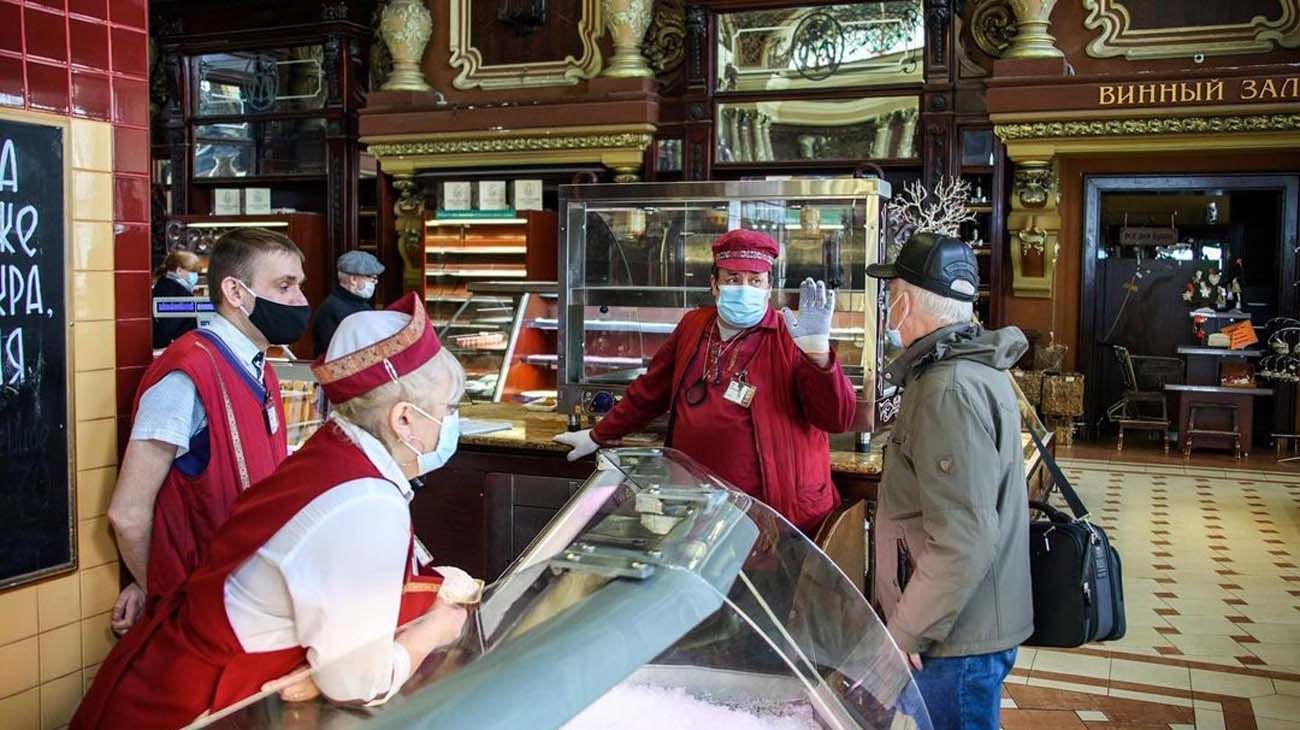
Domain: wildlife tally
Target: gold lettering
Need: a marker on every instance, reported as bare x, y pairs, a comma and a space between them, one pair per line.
1146, 94
1168, 93
1249, 89
1190, 92
1214, 90
1125, 96
1291, 87
1106, 95
1269, 91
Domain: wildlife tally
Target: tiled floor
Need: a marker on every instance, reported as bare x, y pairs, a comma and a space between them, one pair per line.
1212, 587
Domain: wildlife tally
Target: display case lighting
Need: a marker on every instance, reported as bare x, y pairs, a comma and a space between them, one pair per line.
238, 224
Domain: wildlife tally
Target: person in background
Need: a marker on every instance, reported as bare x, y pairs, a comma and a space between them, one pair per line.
180, 274
952, 523
208, 420
318, 563
751, 393
358, 276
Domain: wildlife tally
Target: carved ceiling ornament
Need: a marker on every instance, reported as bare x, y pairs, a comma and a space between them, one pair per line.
474, 74
665, 43
1260, 34
993, 25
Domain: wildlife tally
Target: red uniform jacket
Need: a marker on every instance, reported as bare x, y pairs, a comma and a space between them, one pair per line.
241, 449
796, 404
183, 657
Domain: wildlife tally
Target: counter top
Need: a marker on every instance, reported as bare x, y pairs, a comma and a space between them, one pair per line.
533, 430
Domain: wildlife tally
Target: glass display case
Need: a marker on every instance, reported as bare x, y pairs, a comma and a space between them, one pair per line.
637, 256
659, 597
504, 336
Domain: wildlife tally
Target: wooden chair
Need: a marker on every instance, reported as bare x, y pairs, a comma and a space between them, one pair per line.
1142, 408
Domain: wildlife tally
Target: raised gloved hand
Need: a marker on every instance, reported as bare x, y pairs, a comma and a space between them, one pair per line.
811, 327
581, 443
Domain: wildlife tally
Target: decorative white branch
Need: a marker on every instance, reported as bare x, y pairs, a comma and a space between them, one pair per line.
942, 211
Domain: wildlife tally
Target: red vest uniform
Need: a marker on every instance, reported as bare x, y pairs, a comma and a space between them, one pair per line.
782, 433
183, 657
242, 449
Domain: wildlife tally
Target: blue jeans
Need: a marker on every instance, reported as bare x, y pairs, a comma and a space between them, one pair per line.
965, 693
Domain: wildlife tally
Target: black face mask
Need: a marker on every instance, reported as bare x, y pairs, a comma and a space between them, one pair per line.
280, 324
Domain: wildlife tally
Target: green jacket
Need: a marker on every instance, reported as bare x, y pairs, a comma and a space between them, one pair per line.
952, 522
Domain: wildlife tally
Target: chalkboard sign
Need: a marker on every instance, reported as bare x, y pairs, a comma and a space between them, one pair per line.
36, 517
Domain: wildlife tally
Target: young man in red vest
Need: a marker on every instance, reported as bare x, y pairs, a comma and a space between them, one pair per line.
751, 393
208, 420
318, 563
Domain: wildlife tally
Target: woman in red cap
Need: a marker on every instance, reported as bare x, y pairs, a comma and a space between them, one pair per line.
751, 393
319, 562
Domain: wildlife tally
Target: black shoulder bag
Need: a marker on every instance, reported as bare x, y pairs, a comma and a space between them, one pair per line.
1077, 582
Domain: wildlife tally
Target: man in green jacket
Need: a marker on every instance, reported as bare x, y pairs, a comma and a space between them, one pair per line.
952, 530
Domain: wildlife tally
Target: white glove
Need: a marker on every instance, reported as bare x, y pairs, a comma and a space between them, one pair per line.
811, 329
581, 443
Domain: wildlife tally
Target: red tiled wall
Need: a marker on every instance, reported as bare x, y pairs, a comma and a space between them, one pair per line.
89, 58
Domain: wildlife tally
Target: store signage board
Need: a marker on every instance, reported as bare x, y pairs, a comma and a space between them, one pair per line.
38, 535
1147, 236
1199, 91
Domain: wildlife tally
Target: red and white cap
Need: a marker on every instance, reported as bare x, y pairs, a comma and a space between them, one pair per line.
370, 349
742, 250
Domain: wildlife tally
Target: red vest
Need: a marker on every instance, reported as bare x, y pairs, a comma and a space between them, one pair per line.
796, 405
241, 451
183, 657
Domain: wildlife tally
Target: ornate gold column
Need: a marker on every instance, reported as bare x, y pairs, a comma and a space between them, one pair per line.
1032, 39
1034, 225
409, 209
406, 27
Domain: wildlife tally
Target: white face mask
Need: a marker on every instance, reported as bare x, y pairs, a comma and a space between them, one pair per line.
893, 335
366, 290
448, 438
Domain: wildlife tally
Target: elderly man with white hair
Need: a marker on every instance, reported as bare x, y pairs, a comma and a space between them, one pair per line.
318, 563
952, 530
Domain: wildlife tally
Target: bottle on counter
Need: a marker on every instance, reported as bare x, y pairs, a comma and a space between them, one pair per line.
575, 419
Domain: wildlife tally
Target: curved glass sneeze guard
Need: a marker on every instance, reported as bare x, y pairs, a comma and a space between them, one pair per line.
659, 597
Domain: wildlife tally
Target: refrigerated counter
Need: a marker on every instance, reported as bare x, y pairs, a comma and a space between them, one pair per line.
656, 587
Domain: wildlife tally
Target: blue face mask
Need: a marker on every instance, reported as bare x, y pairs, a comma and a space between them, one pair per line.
448, 438
742, 306
893, 335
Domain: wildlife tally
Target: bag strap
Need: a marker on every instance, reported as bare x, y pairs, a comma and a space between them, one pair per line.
1071, 497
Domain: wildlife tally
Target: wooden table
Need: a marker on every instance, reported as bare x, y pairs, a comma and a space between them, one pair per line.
1242, 399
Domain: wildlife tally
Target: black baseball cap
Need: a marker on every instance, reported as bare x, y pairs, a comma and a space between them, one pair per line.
937, 263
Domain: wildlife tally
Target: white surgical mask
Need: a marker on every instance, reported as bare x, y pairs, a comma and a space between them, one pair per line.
893, 335
448, 438
367, 289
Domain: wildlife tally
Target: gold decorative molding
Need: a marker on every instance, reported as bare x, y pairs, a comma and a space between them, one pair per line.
993, 26
1150, 126
1119, 38
620, 148
1033, 17
475, 74
409, 222
665, 43
1035, 226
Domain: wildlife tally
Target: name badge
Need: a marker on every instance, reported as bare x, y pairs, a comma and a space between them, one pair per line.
272, 420
740, 393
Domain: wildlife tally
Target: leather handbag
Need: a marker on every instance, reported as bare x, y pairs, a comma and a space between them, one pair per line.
1077, 578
